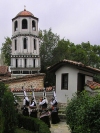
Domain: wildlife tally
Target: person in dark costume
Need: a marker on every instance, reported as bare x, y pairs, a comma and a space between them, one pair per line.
25, 110
44, 112
33, 106
54, 110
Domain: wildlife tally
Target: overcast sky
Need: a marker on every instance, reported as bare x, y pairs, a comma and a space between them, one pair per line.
76, 20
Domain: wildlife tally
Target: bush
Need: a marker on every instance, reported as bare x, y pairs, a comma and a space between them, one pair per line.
83, 113
20, 130
32, 124
1, 122
9, 112
8, 109
3, 89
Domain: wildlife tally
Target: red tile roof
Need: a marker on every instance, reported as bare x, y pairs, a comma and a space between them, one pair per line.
24, 13
3, 70
78, 65
48, 89
93, 85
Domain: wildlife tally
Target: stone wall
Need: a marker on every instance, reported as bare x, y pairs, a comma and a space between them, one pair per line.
36, 80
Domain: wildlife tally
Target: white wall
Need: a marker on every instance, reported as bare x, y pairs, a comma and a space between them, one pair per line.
62, 95
88, 78
29, 30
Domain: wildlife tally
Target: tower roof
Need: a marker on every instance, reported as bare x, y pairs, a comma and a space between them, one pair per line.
24, 13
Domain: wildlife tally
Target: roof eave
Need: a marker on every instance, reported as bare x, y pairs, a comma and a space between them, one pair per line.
84, 68
25, 16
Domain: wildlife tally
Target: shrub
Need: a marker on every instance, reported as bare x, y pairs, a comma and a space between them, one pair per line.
3, 89
8, 109
1, 122
32, 124
9, 112
83, 113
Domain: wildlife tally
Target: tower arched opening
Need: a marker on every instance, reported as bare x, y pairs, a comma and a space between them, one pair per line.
25, 43
15, 25
33, 25
24, 24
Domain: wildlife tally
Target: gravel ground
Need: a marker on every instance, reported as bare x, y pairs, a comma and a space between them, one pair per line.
59, 128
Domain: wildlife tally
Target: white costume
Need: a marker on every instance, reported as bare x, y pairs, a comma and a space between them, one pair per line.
26, 99
43, 102
54, 101
33, 106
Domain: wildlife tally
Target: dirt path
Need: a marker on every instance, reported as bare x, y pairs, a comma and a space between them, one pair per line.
59, 128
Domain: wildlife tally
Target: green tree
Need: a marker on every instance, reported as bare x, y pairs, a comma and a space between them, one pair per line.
49, 41
6, 51
8, 109
80, 55
61, 51
82, 113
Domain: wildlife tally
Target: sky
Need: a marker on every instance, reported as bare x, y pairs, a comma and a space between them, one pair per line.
76, 20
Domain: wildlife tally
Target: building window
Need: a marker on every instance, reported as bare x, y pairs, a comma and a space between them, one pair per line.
34, 44
33, 25
24, 24
15, 44
34, 63
15, 26
16, 63
64, 81
25, 63
25, 43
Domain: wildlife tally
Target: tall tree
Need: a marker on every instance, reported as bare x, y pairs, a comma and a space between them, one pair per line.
78, 54
6, 50
61, 51
49, 41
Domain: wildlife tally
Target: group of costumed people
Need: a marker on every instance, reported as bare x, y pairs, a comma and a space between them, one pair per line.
45, 113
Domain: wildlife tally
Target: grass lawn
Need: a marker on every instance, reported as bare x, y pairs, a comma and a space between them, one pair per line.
19, 130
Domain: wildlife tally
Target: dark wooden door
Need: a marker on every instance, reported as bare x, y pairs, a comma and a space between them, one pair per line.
81, 82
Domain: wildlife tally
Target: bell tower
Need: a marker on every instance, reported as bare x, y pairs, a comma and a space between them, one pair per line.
25, 57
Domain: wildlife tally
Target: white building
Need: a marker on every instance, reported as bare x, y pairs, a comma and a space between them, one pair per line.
71, 77
25, 58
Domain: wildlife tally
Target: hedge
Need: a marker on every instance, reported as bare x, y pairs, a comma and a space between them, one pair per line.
83, 113
32, 124
1, 122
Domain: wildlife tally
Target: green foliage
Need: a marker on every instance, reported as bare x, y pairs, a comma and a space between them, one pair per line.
8, 109
49, 41
32, 124
19, 130
53, 49
6, 50
3, 89
1, 122
83, 113
61, 51
96, 78
9, 112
